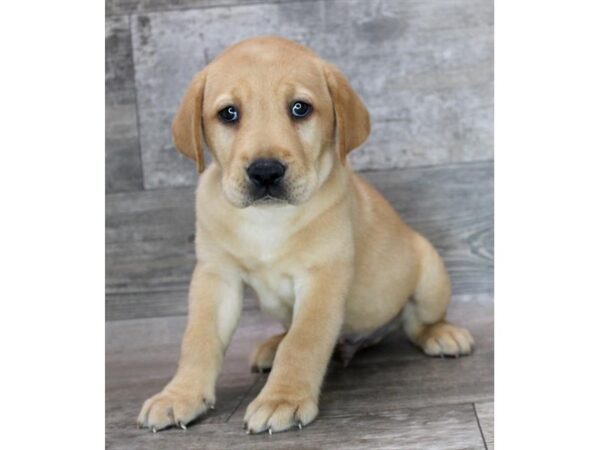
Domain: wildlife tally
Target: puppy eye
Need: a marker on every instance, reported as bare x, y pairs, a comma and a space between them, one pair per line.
229, 114
300, 109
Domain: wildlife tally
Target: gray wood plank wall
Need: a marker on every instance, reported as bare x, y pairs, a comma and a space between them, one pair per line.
123, 158
424, 69
149, 235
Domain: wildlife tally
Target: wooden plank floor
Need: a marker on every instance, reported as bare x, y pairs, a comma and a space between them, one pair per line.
391, 396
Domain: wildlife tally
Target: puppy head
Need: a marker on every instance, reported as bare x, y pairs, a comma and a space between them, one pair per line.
275, 118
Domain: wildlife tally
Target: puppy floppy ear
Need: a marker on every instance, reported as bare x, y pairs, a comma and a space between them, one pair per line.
352, 120
187, 124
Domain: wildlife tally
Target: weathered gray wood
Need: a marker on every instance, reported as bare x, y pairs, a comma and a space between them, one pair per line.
154, 266
150, 303
116, 7
150, 254
122, 158
123, 305
391, 396
440, 427
160, 214
122, 152
424, 70
485, 414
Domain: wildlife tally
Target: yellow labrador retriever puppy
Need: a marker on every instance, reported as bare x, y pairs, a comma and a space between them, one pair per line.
281, 210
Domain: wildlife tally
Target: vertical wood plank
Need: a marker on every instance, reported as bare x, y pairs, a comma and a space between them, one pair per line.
424, 69
122, 158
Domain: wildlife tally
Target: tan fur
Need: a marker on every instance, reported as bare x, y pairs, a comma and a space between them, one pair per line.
264, 354
335, 259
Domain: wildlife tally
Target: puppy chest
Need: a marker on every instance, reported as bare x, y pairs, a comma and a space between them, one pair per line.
263, 251
259, 246
274, 289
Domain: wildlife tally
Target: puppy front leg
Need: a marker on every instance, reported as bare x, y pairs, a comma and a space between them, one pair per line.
215, 303
290, 397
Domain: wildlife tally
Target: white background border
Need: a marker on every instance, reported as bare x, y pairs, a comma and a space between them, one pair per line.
547, 224
52, 224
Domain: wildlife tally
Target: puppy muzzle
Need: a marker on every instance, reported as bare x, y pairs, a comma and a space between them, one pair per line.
266, 181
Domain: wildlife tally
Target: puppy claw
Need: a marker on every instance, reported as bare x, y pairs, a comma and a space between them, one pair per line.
167, 409
207, 404
273, 413
270, 431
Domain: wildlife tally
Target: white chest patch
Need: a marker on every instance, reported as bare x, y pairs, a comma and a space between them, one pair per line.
263, 236
262, 242
275, 293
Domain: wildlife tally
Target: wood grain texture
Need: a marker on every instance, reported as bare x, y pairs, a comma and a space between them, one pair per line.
391, 396
161, 214
424, 69
121, 7
441, 427
122, 155
485, 415
150, 254
124, 305
149, 303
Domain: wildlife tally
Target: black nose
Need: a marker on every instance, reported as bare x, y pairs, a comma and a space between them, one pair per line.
266, 172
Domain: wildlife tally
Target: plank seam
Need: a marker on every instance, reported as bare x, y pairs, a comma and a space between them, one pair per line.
242, 399
479, 426
137, 108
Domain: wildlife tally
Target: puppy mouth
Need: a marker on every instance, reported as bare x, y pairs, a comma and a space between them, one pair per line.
266, 181
268, 195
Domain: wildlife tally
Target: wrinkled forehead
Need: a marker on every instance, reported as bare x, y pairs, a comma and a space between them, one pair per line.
260, 72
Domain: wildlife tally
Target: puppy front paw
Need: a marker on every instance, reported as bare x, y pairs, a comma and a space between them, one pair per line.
173, 408
280, 409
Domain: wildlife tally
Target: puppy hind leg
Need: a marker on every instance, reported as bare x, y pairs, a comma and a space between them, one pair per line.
423, 317
263, 355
